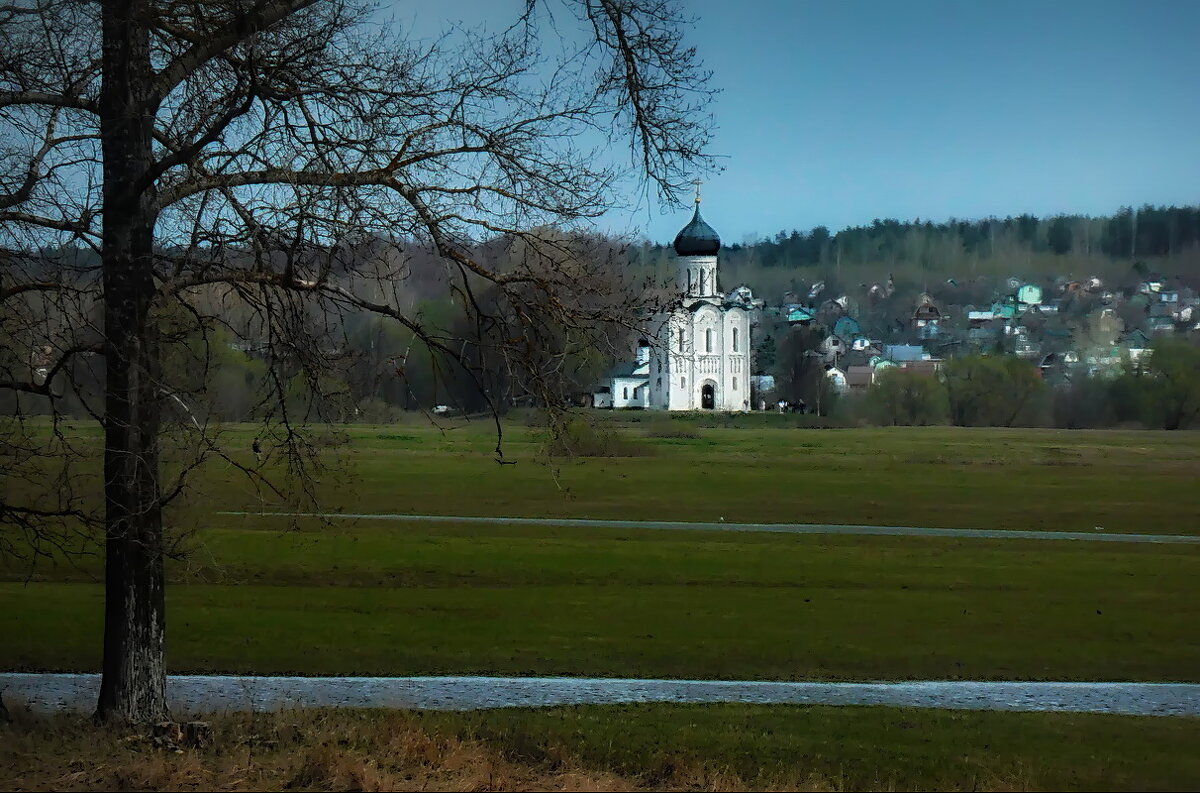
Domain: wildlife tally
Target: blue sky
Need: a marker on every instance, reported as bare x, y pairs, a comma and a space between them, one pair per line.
836, 113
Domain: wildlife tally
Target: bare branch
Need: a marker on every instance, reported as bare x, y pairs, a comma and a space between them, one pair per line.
243, 24
44, 99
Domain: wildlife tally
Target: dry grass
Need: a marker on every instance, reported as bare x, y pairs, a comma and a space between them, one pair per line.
318, 750
301, 750
609, 748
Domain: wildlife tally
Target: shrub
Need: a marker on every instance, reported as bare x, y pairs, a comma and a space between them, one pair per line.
811, 421
991, 391
669, 429
1084, 403
1175, 385
717, 419
579, 438
905, 398
376, 411
529, 417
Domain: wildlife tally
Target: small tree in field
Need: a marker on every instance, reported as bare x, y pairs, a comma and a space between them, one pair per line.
1173, 385
990, 390
905, 398
173, 173
799, 367
1084, 403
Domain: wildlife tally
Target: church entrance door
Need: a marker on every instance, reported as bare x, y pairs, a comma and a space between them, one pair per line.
708, 396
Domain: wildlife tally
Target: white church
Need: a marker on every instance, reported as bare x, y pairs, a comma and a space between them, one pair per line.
697, 355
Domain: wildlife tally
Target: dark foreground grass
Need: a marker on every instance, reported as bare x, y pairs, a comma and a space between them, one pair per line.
681, 747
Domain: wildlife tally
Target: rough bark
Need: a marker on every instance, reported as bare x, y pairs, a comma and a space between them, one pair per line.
133, 686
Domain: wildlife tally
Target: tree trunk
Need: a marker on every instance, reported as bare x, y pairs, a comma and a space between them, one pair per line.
133, 685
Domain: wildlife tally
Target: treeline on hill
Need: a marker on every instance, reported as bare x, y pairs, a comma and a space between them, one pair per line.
920, 254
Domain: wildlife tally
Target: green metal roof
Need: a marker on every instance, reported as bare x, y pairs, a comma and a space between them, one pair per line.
800, 315
846, 327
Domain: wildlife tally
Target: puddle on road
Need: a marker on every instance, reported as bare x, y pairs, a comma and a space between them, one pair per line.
209, 693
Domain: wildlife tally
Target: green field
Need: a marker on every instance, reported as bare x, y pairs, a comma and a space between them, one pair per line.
757, 469
258, 595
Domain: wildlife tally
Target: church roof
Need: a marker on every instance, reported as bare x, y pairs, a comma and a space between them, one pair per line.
697, 238
629, 369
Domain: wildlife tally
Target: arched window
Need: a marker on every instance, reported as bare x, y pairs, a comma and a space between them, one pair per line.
681, 339
708, 340
689, 280
659, 383
625, 393
683, 382
702, 283
735, 340
735, 384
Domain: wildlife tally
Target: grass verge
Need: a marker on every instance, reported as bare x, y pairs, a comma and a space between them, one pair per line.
675, 747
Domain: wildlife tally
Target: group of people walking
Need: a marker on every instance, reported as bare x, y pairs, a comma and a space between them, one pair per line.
785, 406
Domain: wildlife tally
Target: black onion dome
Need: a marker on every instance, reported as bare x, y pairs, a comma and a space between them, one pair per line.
697, 238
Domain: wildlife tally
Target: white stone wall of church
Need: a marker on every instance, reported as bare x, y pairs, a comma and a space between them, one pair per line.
654, 389
706, 364
682, 373
689, 272
678, 372
737, 360
663, 366
629, 392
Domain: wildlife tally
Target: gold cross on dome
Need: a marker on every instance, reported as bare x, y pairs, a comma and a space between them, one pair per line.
697, 182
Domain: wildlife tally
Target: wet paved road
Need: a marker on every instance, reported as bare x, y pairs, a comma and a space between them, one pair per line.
783, 528
208, 693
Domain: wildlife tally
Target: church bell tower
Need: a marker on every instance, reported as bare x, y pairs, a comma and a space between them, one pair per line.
697, 246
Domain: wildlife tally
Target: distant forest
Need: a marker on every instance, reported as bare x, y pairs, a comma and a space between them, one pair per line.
919, 254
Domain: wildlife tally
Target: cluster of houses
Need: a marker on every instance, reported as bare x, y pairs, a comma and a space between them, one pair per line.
1078, 326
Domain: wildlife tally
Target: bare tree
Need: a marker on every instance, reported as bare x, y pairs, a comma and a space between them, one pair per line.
169, 165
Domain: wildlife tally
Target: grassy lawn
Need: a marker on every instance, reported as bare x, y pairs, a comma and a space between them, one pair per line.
755, 469
264, 595
692, 605
952, 477
677, 747
259, 595
269, 595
